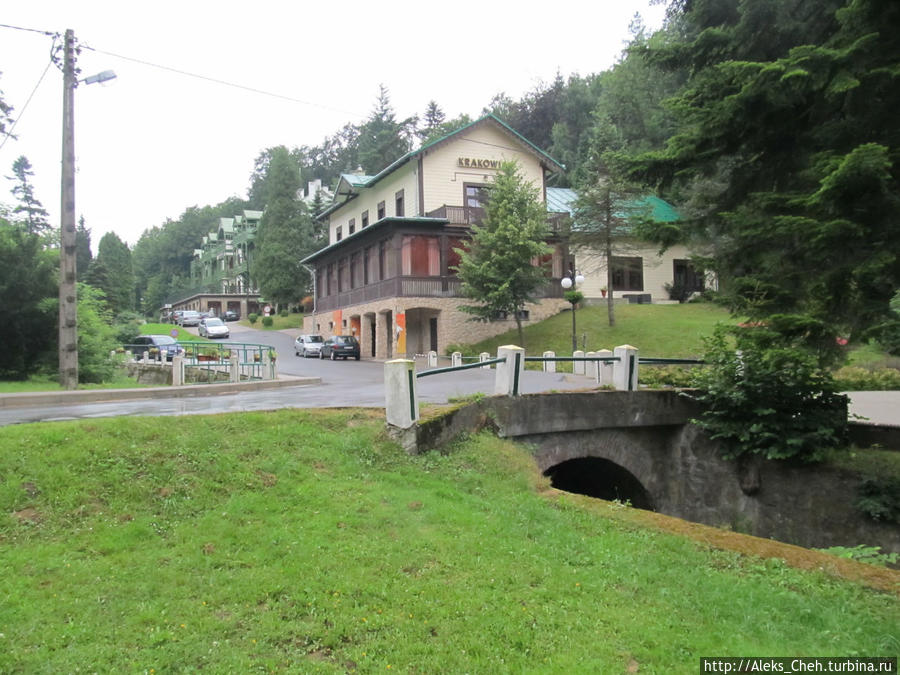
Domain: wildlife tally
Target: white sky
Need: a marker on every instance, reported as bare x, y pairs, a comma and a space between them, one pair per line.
152, 142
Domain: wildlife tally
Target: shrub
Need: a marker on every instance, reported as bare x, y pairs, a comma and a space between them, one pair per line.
766, 395
666, 376
855, 378
879, 498
267, 321
252, 318
307, 304
283, 314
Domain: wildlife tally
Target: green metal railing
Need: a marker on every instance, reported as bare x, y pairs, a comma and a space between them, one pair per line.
210, 362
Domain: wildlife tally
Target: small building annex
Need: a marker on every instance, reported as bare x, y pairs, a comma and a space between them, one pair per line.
387, 274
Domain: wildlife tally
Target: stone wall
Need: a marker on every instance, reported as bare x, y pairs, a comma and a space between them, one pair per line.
648, 434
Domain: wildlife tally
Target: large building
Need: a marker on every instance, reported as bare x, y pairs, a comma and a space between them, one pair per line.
387, 273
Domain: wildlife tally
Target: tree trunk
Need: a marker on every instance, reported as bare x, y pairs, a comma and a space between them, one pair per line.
519, 330
610, 307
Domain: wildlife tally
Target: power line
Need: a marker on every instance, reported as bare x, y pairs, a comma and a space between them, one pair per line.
30, 30
222, 82
25, 107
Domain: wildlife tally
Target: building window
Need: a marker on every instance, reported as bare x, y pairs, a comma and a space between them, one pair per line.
364, 219
382, 260
686, 280
356, 270
453, 258
351, 226
338, 234
420, 256
380, 210
332, 279
398, 204
476, 195
627, 274
343, 275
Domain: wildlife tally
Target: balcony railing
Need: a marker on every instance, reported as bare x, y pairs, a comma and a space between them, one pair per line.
413, 287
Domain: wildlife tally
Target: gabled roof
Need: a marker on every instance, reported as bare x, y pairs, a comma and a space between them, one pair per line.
349, 184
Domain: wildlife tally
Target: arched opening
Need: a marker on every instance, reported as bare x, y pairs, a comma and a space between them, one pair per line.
600, 478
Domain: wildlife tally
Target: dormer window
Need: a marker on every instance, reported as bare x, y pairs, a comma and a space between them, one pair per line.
351, 227
338, 233
364, 219
398, 204
380, 210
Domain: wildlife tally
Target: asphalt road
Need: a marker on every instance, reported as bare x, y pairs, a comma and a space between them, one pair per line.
356, 384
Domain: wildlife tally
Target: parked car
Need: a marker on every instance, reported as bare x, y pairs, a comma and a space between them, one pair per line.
213, 327
166, 345
308, 345
175, 317
340, 347
189, 318
231, 315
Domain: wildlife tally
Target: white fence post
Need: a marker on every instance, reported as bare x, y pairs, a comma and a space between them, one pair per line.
456, 359
549, 366
509, 373
578, 366
484, 356
590, 367
625, 370
146, 358
605, 370
432, 359
266, 366
177, 370
234, 367
401, 402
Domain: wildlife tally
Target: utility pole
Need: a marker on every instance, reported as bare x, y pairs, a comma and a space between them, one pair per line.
68, 300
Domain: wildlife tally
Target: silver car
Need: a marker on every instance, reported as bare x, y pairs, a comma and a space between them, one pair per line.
308, 345
213, 327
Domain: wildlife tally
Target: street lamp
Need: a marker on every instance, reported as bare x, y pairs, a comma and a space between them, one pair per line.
68, 302
569, 283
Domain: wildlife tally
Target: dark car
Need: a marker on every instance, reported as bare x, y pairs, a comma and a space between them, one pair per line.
340, 347
231, 315
166, 344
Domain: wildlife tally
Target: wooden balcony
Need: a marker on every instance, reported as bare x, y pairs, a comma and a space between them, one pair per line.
471, 215
412, 287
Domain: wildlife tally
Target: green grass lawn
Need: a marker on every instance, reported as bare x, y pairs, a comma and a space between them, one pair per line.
51, 383
665, 331
305, 541
278, 322
167, 328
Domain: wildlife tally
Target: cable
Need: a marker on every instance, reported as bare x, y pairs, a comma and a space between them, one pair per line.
222, 82
25, 107
29, 30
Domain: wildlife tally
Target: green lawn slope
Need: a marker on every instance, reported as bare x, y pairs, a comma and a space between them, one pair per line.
306, 541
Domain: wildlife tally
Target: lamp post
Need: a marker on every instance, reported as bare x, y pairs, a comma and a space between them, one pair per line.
68, 300
569, 283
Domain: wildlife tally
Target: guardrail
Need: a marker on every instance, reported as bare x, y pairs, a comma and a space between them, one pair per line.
208, 362
618, 369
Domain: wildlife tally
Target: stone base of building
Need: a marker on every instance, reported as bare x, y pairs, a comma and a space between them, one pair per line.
403, 327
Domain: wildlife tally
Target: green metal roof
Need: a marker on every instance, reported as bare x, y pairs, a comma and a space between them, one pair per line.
562, 200
376, 225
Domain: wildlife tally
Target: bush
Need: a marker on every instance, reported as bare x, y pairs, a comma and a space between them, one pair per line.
855, 378
96, 337
656, 377
252, 318
307, 304
765, 395
283, 314
267, 321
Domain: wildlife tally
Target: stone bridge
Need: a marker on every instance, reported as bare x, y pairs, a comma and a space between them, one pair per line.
640, 446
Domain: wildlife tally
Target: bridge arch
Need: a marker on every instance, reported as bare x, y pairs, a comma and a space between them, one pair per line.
600, 478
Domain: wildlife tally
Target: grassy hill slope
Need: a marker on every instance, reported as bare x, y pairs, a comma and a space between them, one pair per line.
305, 541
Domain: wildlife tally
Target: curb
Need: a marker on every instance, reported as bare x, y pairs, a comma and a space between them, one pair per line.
40, 398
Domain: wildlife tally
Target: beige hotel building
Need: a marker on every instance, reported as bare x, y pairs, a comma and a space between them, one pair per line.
386, 275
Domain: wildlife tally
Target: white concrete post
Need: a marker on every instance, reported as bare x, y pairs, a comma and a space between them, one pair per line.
456, 359
509, 373
266, 366
112, 355
234, 367
605, 371
484, 356
177, 370
432, 359
401, 402
578, 366
590, 368
625, 370
549, 366
146, 357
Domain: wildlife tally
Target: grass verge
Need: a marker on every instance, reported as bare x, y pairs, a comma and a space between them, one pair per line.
306, 541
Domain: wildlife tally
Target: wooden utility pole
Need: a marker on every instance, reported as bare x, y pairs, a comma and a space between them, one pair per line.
68, 300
